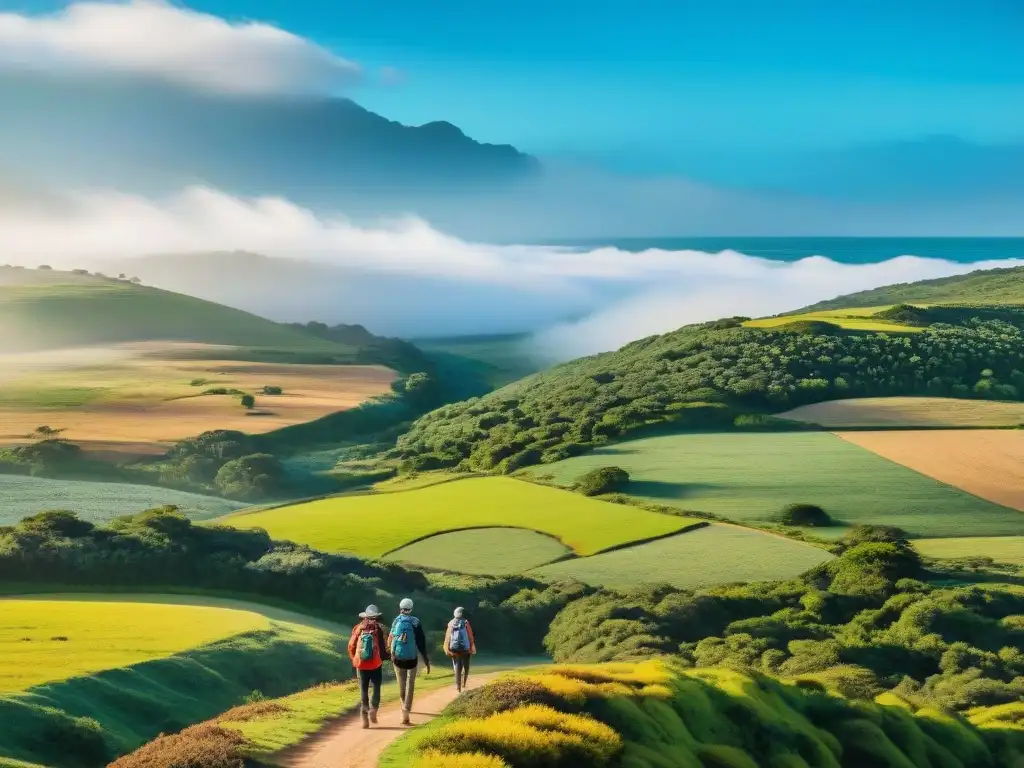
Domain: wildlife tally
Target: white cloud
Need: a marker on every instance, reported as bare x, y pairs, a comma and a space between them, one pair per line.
154, 38
406, 278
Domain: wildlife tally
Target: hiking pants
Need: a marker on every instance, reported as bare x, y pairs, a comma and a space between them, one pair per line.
460, 661
368, 677
406, 686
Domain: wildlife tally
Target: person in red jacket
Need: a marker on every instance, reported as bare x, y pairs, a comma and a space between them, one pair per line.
368, 650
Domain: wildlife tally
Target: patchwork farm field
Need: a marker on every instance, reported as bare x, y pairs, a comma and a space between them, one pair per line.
139, 398
373, 525
751, 477
43, 640
483, 551
714, 554
909, 412
986, 463
21, 496
1002, 549
858, 319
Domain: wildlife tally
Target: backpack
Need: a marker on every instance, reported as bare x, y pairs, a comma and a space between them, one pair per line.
403, 638
459, 642
367, 646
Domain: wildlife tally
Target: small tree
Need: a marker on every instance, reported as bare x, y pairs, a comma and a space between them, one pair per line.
272, 390
804, 514
603, 480
248, 401
44, 267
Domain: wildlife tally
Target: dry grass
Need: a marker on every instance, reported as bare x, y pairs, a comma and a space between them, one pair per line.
909, 412
988, 463
201, 746
138, 398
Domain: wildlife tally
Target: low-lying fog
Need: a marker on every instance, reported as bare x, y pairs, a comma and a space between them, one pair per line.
404, 278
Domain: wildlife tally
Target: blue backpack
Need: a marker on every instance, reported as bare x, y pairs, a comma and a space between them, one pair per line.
459, 642
403, 638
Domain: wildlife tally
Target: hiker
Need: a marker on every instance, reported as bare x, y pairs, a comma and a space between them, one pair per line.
460, 645
368, 652
407, 642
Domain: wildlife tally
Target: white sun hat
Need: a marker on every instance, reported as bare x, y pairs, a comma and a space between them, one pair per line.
459, 612
405, 605
371, 612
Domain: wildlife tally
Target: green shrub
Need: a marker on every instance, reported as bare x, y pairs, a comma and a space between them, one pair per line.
603, 480
804, 515
501, 695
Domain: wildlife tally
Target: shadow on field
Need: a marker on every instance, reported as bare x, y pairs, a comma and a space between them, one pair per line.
88, 721
661, 489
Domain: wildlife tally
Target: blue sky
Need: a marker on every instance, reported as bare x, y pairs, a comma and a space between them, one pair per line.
728, 91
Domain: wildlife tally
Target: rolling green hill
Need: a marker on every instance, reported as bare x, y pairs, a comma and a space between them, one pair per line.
985, 286
47, 309
713, 375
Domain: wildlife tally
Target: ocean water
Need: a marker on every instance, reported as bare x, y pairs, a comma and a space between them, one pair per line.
848, 250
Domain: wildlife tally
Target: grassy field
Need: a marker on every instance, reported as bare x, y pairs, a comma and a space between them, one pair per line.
139, 398
497, 360
1002, 549
750, 477
21, 496
45, 640
190, 658
485, 551
909, 412
716, 554
986, 463
852, 319
373, 525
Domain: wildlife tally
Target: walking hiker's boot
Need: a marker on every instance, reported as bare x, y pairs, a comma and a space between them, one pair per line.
405, 717
373, 715
366, 718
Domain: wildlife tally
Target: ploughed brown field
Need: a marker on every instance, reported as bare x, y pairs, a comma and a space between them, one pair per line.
909, 412
988, 463
137, 399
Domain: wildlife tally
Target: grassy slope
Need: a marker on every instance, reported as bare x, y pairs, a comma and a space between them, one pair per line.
485, 551
1002, 549
131, 705
22, 495
46, 310
498, 360
376, 524
650, 715
45, 640
991, 286
750, 477
716, 554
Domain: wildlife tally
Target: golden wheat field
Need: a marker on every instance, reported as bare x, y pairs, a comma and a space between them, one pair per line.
139, 398
988, 463
909, 412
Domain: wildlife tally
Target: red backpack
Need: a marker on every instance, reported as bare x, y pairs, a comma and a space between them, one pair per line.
368, 645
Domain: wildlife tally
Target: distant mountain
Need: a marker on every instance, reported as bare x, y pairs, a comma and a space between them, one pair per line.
155, 136
982, 287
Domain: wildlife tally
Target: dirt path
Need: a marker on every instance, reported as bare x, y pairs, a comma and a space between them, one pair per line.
345, 744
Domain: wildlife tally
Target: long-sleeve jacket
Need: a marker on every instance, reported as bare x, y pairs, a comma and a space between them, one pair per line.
421, 646
448, 638
380, 654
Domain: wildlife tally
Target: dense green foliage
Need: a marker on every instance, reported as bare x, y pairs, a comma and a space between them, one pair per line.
161, 548
865, 622
987, 286
603, 480
657, 715
704, 376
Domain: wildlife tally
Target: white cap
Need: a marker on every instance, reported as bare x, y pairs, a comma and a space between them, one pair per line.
459, 612
371, 612
405, 605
